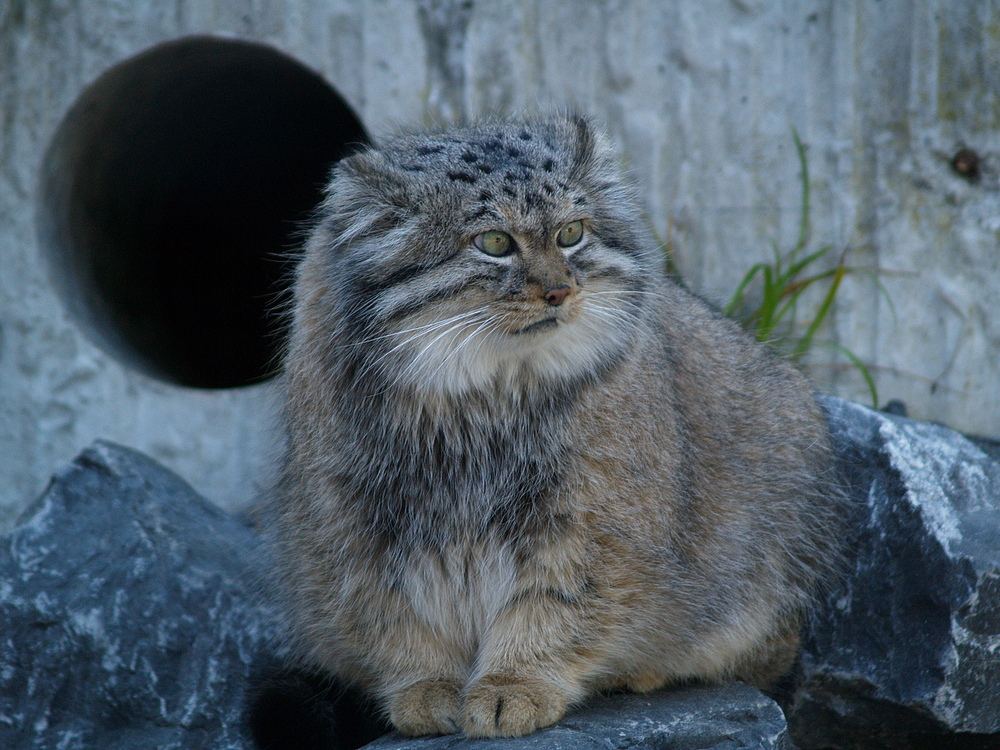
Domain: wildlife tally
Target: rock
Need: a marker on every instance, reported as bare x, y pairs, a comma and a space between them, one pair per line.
907, 651
129, 616
731, 716
132, 616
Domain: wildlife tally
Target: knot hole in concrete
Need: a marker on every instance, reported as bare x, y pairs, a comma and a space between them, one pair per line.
173, 196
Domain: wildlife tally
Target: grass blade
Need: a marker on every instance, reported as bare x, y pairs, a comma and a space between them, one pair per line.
861, 368
800, 149
737, 298
821, 312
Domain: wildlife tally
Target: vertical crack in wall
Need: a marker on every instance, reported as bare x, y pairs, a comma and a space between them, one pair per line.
444, 24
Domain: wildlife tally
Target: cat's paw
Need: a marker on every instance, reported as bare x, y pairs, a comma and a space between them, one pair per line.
506, 706
426, 707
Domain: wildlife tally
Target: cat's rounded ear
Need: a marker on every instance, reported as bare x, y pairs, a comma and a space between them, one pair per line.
367, 177
591, 147
365, 195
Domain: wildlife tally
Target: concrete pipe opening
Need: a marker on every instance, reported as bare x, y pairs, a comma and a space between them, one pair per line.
172, 198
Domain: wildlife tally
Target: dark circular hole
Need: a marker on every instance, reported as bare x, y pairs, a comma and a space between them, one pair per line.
172, 196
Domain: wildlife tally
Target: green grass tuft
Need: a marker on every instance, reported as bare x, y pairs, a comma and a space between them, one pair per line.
766, 301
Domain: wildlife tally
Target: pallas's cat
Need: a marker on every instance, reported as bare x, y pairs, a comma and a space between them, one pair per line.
524, 465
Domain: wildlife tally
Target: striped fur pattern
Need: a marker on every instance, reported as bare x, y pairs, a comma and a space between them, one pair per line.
523, 465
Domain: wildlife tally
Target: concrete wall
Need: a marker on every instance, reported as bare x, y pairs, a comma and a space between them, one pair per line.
702, 97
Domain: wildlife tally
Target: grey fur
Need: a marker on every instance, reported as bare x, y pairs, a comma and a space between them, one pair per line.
513, 481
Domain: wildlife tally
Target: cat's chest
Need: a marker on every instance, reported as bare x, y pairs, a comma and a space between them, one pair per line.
473, 475
460, 591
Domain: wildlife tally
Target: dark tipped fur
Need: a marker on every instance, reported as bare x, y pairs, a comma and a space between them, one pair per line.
517, 478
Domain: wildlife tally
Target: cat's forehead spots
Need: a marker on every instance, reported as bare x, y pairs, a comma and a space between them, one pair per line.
523, 165
468, 155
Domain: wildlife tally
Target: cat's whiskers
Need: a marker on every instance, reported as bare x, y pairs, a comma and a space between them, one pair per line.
423, 328
609, 313
629, 296
488, 325
418, 359
381, 363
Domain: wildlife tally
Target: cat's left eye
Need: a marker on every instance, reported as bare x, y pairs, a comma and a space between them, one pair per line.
570, 234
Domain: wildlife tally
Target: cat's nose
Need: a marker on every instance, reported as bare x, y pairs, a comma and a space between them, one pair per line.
557, 296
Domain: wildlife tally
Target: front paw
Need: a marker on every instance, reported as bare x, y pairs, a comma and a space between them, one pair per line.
507, 706
426, 707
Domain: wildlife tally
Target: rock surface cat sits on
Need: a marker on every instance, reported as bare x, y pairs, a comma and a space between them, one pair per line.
525, 466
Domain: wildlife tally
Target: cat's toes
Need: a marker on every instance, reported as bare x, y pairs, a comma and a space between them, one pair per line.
504, 706
427, 707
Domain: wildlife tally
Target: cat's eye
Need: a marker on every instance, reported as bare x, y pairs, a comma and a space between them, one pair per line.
570, 234
495, 243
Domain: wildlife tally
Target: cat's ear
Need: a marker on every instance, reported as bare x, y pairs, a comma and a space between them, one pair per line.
370, 173
590, 146
365, 195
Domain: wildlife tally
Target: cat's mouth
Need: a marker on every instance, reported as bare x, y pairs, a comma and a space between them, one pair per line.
538, 325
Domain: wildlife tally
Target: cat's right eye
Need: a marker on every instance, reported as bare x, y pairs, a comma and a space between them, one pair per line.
495, 243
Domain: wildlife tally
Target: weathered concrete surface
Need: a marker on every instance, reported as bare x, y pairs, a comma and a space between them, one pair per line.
130, 613
702, 97
908, 648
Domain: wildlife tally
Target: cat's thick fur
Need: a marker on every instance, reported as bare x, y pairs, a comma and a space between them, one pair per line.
515, 480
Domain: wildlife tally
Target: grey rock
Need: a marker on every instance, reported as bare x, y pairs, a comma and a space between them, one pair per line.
731, 716
908, 651
131, 616
129, 613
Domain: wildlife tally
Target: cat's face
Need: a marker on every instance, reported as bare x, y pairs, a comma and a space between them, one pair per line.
487, 256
